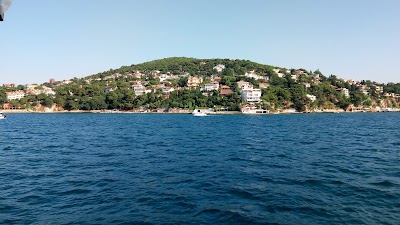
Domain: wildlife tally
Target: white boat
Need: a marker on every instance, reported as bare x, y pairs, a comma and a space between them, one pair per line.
197, 112
2, 116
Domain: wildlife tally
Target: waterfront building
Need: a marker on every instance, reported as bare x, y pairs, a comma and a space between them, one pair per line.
251, 95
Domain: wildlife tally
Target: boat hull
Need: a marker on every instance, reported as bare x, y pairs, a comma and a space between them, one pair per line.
199, 114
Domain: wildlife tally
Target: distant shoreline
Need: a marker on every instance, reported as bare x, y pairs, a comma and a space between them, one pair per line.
17, 111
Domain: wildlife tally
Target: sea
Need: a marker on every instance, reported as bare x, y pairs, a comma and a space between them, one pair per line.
180, 169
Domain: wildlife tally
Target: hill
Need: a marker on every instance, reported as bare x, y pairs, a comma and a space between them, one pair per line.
189, 83
202, 67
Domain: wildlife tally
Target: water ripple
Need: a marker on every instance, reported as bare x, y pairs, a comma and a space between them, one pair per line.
178, 169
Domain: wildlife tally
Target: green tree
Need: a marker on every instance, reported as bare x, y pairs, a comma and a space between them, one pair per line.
3, 96
299, 98
357, 97
71, 105
48, 102
183, 81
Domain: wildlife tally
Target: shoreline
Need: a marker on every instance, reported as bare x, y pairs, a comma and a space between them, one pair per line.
20, 111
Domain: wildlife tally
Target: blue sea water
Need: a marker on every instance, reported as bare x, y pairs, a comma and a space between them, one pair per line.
180, 169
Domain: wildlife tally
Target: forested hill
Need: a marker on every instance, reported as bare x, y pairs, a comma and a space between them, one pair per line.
189, 83
202, 67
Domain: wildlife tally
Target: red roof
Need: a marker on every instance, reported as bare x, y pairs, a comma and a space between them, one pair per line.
226, 92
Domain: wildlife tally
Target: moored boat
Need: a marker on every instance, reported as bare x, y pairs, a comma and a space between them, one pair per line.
2, 116
197, 112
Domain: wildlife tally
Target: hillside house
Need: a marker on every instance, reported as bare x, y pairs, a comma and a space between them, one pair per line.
225, 90
252, 74
313, 98
137, 74
8, 85
219, 68
379, 89
13, 95
263, 85
215, 78
244, 85
344, 92
140, 89
168, 90
353, 82
31, 86
194, 81
210, 86
364, 89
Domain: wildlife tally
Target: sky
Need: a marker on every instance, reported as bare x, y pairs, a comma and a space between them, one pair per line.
353, 39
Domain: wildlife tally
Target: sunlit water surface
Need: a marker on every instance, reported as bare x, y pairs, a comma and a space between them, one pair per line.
180, 169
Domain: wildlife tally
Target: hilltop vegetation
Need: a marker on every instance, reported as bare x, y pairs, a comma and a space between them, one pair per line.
192, 66
187, 83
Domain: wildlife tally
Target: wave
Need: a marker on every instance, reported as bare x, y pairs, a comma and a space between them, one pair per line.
242, 194
76, 192
219, 216
385, 183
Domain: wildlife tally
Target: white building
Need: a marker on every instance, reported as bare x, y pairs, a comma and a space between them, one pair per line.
15, 95
66, 81
294, 76
210, 87
278, 72
32, 90
344, 91
163, 77
168, 89
251, 95
352, 82
379, 89
252, 74
364, 89
31, 86
140, 89
48, 91
313, 98
244, 85
219, 68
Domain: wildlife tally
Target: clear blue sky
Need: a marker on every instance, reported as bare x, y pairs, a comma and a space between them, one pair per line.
61, 39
